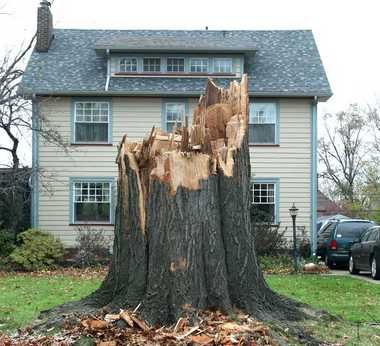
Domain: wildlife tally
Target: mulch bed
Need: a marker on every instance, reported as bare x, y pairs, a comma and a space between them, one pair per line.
86, 273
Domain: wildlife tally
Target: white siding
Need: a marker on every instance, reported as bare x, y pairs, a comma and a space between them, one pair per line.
290, 162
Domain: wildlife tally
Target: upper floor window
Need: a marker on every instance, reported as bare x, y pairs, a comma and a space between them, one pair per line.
91, 122
91, 201
199, 65
174, 114
128, 65
175, 65
263, 123
152, 64
264, 201
223, 65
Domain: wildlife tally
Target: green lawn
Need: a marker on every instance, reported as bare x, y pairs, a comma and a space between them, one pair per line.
23, 296
352, 299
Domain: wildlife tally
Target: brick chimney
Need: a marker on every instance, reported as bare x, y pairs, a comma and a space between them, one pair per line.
44, 27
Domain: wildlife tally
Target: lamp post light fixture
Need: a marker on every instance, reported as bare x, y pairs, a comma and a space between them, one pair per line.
293, 211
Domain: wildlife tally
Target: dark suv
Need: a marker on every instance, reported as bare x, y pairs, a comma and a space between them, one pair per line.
336, 237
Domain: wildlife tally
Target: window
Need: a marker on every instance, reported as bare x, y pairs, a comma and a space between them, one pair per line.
223, 65
91, 122
352, 229
199, 65
92, 201
174, 114
263, 122
373, 236
326, 233
152, 64
175, 65
128, 65
264, 200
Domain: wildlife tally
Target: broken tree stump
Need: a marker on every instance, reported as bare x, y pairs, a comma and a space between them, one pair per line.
183, 238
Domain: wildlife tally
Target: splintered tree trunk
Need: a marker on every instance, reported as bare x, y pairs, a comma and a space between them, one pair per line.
183, 236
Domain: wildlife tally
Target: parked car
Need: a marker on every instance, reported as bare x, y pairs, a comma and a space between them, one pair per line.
325, 219
336, 237
365, 254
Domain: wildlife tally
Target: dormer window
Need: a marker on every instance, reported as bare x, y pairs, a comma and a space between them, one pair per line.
128, 65
175, 64
223, 65
151, 64
199, 65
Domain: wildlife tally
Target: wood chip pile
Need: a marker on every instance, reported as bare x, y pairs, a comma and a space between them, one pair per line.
126, 328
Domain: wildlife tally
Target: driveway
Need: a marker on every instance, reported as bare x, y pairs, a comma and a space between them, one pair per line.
365, 276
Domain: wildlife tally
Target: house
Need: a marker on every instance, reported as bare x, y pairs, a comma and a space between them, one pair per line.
96, 85
326, 207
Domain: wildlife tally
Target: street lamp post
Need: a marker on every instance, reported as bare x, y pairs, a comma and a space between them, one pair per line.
293, 213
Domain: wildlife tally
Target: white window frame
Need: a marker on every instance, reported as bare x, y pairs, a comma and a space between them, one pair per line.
176, 57
152, 57
88, 197
131, 58
253, 119
90, 119
182, 104
267, 181
224, 60
199, 58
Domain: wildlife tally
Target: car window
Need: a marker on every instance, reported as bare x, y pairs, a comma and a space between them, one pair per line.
365, 236
352, 229
373, 235
325, 233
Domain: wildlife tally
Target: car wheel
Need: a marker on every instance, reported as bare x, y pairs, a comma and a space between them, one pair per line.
375, 269
351, 266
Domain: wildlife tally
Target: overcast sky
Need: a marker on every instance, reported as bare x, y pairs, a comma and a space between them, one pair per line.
347, 31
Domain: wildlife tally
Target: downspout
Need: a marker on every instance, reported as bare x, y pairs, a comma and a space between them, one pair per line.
314, 177
34, 180
108, 70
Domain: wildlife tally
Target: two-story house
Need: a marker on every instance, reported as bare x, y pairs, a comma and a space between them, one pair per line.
94, 86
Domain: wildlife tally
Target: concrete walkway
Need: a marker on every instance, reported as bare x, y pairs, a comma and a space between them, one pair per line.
364, 276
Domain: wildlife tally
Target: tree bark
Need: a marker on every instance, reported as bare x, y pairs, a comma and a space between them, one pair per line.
183, 237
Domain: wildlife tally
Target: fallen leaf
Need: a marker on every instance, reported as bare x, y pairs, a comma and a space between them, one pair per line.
107, 343
202, 339
234, 327
94, 324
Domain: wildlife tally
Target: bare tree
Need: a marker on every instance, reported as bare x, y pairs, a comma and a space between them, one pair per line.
342, 152
16, 122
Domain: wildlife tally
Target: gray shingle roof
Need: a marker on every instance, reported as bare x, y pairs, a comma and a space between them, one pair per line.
285, 63
176, 41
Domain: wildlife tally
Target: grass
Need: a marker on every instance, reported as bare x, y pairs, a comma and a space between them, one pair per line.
22, 297
357, 302
349, 298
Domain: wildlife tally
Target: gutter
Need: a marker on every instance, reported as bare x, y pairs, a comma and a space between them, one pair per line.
190, 93
314, 175
108, 70
35, 165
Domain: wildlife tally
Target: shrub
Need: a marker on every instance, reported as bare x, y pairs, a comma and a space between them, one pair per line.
269, 240
38, 250
282, 264
7, 243
93, 247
